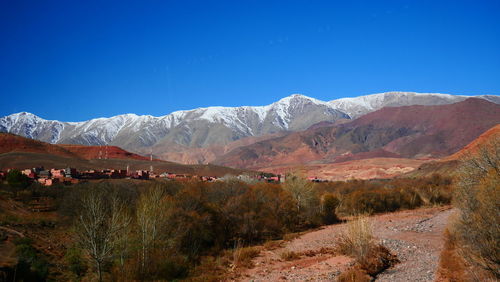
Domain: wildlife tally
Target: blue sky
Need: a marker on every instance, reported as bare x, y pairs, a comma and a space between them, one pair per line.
76, 60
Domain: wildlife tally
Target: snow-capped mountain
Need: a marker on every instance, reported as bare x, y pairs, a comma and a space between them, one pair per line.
213, 125
195, 128
358, 106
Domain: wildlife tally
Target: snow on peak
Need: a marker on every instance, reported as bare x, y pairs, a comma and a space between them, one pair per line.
296, 98
357, 106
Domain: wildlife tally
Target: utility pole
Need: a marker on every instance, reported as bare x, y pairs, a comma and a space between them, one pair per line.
151, 159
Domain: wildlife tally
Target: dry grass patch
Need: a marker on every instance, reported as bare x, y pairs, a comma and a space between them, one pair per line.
272, 245
242, 257
322, 251
357, 239
289, 255
291, 236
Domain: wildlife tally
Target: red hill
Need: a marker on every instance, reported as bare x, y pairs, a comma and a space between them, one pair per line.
20, 152
94, 152
406, 132
472, 148
14, 143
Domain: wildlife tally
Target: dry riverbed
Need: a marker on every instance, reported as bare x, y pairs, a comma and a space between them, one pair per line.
415, 236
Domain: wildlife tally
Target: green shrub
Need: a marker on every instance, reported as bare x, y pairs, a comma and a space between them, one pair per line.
33, 265
172, 268
328, 209
75, 261
17, 180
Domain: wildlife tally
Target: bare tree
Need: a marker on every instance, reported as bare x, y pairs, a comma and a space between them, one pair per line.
151, 221
301, 190
101, 219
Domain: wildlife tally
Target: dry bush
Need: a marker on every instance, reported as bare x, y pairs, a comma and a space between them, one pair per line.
243, 256
377, 260
354, 274
477, 197
289, 255
357, 239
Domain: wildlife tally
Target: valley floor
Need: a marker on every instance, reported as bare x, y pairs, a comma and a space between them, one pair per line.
415, 236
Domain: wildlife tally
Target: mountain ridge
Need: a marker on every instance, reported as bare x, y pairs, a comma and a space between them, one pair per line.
205, 127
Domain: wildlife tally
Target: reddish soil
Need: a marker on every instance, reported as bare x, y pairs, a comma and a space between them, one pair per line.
358, 169
415, 236
96, 152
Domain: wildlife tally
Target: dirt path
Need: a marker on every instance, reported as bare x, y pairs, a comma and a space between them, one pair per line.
415, 236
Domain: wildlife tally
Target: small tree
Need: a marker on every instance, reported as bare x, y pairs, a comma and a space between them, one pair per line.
305, 196
17, 180
150, 214
329, 205
301, 190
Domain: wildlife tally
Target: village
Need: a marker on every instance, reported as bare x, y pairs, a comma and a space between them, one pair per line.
69, 176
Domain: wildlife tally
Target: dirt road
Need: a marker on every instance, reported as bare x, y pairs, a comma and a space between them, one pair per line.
415, 236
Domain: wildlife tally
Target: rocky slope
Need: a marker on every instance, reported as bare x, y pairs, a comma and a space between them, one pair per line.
409, 132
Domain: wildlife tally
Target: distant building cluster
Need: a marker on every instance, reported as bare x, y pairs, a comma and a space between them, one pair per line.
69, 175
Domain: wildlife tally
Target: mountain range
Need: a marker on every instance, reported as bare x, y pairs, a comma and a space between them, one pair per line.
205, 135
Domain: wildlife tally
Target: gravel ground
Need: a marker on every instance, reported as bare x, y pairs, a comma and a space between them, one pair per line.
417, 243
415, 236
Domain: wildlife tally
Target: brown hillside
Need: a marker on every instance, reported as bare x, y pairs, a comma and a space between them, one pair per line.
423, 132
449, 164
14, 143
19, 152
440, 130
93, 152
